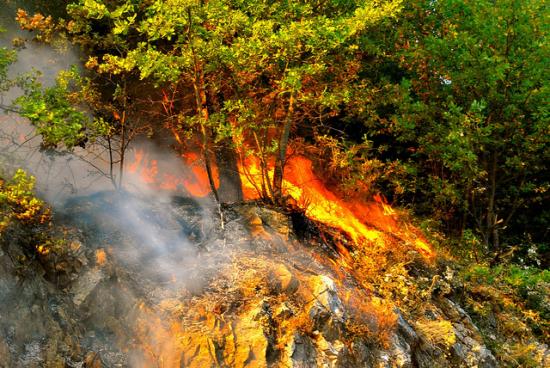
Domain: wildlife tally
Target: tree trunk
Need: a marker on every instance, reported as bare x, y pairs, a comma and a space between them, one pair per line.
230, 189
122, 149
202, 112
281, 158
491, 231
266, 189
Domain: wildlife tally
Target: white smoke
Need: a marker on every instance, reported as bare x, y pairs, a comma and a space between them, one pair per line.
156, 248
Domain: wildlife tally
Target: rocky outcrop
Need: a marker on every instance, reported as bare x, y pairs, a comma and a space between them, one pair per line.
161, 286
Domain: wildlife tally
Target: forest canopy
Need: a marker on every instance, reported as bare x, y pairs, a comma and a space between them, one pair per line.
441, 106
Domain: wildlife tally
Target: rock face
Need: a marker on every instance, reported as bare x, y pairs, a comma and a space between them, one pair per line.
159, 285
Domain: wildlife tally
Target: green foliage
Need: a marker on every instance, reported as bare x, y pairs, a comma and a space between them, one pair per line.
18, 203
58, 113
440, 105
530, 286
26, 230
7, 57
257, 69
50, 110
468, 113
511, 306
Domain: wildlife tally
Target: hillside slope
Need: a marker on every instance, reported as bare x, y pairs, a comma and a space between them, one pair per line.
146, 283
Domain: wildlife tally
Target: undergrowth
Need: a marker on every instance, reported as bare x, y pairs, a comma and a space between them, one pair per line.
27, 233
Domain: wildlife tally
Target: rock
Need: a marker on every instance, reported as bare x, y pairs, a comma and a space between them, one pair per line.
304, 354
403, 341
250, 340
281, 280
85, 284
242, 304
325, 298
237, 343
277, 221
405, 330
469, 348
255, 223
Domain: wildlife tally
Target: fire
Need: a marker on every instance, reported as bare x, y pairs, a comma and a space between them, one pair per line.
364, 222
194, 181
100, 257
163, 335
198, 184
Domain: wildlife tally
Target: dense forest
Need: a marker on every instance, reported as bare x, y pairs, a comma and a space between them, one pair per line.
437, 108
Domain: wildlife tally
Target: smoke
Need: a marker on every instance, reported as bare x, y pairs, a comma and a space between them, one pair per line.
57, 175
154, 239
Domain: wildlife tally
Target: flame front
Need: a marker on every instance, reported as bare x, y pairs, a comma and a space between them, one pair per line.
363, 222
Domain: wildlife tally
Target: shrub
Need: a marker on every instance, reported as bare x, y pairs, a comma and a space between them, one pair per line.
18, 203
440, 332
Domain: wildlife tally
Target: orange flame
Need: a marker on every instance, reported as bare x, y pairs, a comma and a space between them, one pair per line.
100, 257
198, 185
363, 222
194, 181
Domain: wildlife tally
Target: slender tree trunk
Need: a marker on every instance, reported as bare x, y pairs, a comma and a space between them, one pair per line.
122, 149
111, 163
491, 215
202, 112
281, 157
266, 190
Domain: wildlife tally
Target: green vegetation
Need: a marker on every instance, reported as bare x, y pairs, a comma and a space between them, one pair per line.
28, 235
511, 305
6, 58
441, 106
54, 113
438, 105
18, 203
475, 112
24, 218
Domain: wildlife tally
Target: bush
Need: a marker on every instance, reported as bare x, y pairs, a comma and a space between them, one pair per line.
18, 203
517, 301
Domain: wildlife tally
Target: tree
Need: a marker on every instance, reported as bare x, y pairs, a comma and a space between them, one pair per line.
78, 110
230, 56
474, 108
297, 65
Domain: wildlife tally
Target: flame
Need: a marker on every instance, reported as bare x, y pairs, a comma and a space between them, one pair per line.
138, 157
100, 257
198, 184
195, 181
364, 222
162, 334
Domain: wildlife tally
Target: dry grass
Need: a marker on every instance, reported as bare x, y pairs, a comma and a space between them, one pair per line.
374, 319
439, 332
